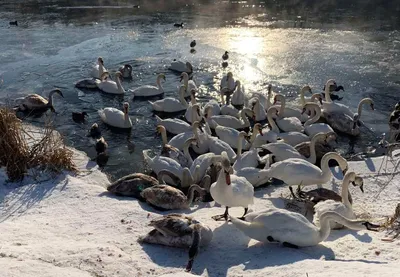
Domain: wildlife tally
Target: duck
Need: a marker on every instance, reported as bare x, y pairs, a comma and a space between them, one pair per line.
291, 138
148, 90
231, 190
238, 96
101, 145
293, 229
173, 125
132, 185
179, 230
225, 56
180, 66
109, 86
282, 151
178, 25
189, 84
229, 121
94, 131
344, 207
171, 104
37, 102
299, 172
228, 82
310, 127
98, 69
15, 23
115, 117
126, 71
79, 116
166, 197
193, 43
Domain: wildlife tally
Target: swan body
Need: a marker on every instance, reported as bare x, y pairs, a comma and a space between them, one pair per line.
254, 176
88, 83
228, 82
218, 146
238, 95
98, 69
200, 165
344, 207
297, 171
173, 125
189, 84
179, 140
109, 86
226, 108
312, 128
259, 111
174, 153
263, 136
180, 66
178, 230
213, 106
132, 185
343, 123
247, 159
231, 190
229, 121
37, 102
148, 90
115, 117
193, 113
291, 228
230, 136
170, 104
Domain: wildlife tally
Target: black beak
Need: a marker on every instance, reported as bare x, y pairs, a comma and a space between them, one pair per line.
304, 110
345, 171
354, 125
371, 226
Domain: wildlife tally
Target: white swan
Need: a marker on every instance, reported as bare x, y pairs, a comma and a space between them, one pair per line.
288, 121
170, 104
343, 208
264, 100
115, 117
310, 127
226, 108
189, 84
285, 111
282, 151
293, 229
98, 69
231, 135
296, 172
176, 154
238, 95
218, 146
180, 66
213, 105
149, 91
231, 191
259, 110
227, 82
291, 138
247, 159
35, 101
201, 164
193, 113
229, 121
303, 90
173, 125
178, 141
109, 86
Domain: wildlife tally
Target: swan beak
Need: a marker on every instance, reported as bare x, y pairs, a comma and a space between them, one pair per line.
310, 91
371, 226
227, 178
304, 110
372, 107
345, 171
260, 131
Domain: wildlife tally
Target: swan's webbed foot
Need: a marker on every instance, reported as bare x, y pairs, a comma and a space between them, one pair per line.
288, 244
222, 216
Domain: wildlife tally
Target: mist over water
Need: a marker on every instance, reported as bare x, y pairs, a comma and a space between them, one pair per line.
286, 43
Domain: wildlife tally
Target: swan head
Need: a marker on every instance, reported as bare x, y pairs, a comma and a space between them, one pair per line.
371, 103
273, 110
258, 127
229, 76
161, 76
306, 88
317, 96
330, 136
192, 141
278, 98
57, 91
329, 83
196, 125
126, 107
193, 92
100, 60
105, 75
358, 181
118, 75
160, 129
184, 75
397, 107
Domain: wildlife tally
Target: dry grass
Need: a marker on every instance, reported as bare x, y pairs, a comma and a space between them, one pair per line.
19, 151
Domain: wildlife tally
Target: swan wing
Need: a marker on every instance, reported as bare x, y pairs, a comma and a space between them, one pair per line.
290, 124
108, 86
34, 100
313, 129
147, 90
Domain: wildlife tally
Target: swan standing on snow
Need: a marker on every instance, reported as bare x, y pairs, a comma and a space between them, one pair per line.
299, 172
116, 118
238, 96
132, 185
99, 68
37, 102
149, 91
343, 208
179, 66
109, 86
231, 191
228, 82
181, 231
189, 84
126, 71
170, 104
293, 229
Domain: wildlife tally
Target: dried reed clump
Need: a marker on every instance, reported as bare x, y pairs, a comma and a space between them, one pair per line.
20, 151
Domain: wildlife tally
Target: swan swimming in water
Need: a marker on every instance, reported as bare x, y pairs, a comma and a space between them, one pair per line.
179, 66
149, 91
108, 86
98, 69
37, 102
293, 229
116, 118
171, 104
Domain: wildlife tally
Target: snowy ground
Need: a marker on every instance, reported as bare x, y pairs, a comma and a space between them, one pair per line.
73, 227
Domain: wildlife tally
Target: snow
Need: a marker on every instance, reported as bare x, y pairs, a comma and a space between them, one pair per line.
71, 226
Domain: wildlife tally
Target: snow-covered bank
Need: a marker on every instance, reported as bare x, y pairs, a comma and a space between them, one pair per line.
73, 227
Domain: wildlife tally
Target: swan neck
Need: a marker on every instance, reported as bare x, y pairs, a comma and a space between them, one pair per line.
120, 88
159, 83
326, 171
50, 103
325, 228
316, 116
345, 189
302, 100
192, 189
327, 94
244, 117
313, 154
186, 151
253, 136
164, 137
272, 122
239, 146
282, 108
360, 105
182, 98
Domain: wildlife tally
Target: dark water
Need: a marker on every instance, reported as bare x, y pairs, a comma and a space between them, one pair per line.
280, 42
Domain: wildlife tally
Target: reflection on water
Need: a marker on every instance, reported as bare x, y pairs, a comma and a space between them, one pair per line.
274, 42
